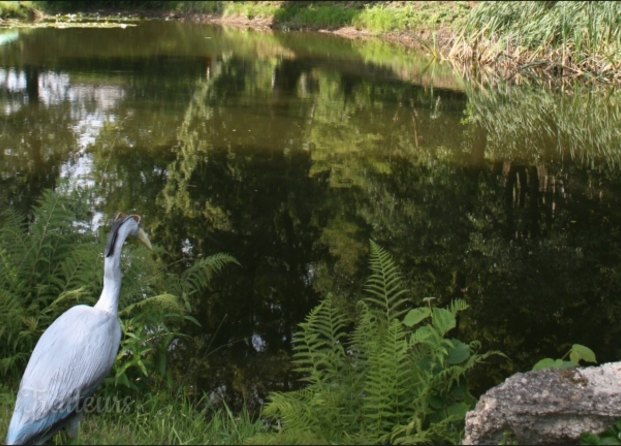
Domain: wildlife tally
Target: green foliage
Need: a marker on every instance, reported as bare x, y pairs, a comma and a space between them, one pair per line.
376, 18
40, 263
592, 26
609, 436
394, 378
53, 261
508, 438
164, 418
576, 354
151, 324
17, 10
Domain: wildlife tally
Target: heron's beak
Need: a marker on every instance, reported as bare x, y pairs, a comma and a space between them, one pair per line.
142, 236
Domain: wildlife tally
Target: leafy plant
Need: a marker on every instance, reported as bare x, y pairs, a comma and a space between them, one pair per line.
394, 378
576, 354
609, 436
52, 261
563, 39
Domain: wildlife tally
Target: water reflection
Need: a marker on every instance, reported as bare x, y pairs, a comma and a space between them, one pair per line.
290, 151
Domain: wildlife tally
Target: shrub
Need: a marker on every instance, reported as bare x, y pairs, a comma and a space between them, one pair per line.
394, 378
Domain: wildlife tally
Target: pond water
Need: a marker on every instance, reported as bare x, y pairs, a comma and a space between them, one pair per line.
291, 151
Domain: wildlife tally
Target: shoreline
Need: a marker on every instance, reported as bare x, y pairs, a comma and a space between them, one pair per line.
484, 60
410, 40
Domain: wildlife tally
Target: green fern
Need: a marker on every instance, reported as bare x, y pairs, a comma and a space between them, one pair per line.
199, 275
51, 261
384, 285
395, 378
319, 351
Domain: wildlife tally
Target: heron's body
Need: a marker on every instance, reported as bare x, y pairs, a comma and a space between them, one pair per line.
77, 351
72, 357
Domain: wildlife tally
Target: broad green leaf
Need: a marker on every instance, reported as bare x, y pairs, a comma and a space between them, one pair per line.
425, 334
564, 364
546, 363
558, 364
549, 363
436, 402
584, 353
415, 316
443, 320
589, 438
459, 353
458, 409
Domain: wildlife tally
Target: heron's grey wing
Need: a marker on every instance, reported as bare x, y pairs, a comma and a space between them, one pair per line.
70, 360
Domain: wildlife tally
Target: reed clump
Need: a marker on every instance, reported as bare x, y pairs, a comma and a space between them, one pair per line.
560, 40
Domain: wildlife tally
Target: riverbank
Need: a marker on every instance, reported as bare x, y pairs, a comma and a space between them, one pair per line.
487, 42
424, 24
413, 24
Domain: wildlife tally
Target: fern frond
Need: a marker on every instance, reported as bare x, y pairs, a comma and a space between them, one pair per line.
77, 270
394, 381
458, 305
292, 408
67, 299
199, 276
319, 346
384, 285
387, 376
162, 303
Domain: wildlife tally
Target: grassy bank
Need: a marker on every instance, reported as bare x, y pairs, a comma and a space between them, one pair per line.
373, 17
559, 40
18, 10
149, 421
510, 40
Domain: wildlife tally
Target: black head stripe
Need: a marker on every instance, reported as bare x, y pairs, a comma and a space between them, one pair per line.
118, 222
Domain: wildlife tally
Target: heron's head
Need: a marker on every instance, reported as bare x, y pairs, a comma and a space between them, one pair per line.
122, 227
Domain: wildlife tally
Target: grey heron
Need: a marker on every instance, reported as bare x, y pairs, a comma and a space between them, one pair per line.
74, 354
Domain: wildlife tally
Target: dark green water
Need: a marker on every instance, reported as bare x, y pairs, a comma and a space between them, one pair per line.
290, 151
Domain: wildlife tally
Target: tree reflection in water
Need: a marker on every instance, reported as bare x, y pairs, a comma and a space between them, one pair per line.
291, 155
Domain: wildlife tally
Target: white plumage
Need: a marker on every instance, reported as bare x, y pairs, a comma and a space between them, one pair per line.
74, 355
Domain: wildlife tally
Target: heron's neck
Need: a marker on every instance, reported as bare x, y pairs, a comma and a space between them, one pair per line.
109, 299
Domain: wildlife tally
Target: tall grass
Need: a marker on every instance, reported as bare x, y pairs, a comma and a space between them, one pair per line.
157, 420
562, 39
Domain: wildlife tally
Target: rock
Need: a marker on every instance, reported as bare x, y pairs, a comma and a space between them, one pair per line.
551, 406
